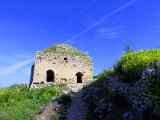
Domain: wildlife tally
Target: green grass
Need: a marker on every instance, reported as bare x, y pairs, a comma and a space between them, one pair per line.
130, 66
19, 103
105, 73
54, 118
59, 49
62, 85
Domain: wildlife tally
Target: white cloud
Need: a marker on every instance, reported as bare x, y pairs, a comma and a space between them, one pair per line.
22, 56
109, 32
13, 68
76, 15
101, 20
8, 59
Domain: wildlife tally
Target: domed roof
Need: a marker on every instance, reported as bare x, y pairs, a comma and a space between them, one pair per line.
64, 49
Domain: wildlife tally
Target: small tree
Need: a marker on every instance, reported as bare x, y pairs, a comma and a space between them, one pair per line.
127, 49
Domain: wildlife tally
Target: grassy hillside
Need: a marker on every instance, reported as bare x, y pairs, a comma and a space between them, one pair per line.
131, 64
133, 84
19, 103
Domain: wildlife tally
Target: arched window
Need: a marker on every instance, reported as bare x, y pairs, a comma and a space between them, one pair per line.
65, 59
79, 77
50, 76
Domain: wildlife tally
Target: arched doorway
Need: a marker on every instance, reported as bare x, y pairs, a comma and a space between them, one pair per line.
79, 77
50, 76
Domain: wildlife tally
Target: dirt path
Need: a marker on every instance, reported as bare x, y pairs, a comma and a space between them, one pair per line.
77, 110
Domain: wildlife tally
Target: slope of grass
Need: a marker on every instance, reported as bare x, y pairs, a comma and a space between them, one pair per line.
106, 101
134, 79
19, 103
105, 73
131, 64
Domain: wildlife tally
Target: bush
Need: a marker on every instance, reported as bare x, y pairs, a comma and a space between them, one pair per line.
105, 73
62, 85
54, 118
130, 65
118, 99
19, 103
151, 82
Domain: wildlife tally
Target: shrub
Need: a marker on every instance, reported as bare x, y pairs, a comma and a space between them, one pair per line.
54, 118
151, 83
130, 65
19, 103
118, 99
62, 85
105, 73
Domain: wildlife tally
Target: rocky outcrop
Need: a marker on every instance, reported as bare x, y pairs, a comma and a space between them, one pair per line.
113, 99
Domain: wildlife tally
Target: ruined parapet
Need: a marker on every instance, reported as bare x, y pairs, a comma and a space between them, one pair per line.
61, 64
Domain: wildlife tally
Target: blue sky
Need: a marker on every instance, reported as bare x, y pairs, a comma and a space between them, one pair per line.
99, 28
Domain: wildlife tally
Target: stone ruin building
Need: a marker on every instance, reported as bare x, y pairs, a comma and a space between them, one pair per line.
61, 64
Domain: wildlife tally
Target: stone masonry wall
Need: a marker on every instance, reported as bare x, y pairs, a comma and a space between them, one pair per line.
64, 66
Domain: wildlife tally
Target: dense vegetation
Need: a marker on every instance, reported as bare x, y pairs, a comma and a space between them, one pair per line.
105, 73
130, 65
59, 49
151, 84
19, 103
112, 94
